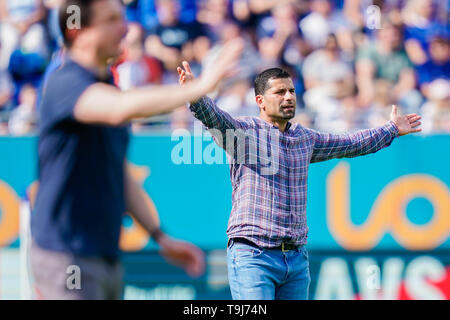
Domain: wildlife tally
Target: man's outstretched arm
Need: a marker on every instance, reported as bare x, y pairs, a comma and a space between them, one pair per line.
329, 146
105, 104
180, 253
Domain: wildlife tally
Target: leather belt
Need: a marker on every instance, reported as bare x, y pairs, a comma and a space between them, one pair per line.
284, 247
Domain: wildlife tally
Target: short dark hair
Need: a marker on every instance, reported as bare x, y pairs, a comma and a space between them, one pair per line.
262, 79
64, 14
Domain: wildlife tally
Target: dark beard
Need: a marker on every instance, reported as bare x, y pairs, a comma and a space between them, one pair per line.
287, 115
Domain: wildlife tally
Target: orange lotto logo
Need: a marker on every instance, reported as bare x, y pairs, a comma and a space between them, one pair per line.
388, 214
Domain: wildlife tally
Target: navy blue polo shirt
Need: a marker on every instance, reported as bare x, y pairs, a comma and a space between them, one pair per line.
80, 200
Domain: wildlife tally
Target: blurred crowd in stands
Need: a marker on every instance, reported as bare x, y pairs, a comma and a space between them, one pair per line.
350, 59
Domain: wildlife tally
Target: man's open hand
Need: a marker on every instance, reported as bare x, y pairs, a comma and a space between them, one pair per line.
405, 124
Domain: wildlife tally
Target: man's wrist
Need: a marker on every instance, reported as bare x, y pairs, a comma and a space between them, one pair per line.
394, 127
198, 88
196, 102
157, 234
204, 85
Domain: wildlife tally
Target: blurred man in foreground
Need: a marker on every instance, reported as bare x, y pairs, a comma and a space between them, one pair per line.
85, 187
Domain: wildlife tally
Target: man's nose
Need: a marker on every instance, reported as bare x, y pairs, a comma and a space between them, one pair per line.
289, 96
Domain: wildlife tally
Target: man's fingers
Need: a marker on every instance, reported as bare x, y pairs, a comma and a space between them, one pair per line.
234, 70
415, 124
414, 119
394, 110
187, 256
181, 72
196, 264
193, 260
187, 67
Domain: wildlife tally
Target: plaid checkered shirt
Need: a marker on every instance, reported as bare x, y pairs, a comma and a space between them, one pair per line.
269, 169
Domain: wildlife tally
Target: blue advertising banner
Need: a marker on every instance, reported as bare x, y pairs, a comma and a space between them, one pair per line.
378, 221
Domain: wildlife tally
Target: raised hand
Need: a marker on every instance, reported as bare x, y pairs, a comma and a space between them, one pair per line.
185, 74
405, 124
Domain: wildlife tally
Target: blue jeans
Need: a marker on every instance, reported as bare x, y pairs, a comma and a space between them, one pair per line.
256, 273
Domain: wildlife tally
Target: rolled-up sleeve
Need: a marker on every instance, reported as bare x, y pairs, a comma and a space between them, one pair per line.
212, 116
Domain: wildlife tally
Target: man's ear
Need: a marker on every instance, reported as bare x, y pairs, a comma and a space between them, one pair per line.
71, 34
260, 101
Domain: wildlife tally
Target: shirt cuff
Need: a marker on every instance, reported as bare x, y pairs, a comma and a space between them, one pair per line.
392, 128
196, 104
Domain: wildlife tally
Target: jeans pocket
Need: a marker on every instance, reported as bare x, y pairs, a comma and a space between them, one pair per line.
304, 252
243, 251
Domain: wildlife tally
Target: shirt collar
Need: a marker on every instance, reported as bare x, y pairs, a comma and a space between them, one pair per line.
288, 125
109, 77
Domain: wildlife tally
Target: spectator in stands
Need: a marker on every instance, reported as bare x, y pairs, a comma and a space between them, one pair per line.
384, 74
241, 12
6, 88
144, 12
277, 32
249, 12
22, 27
279, 37
236, 94
436, 111
168, 39
213, 14
136, 69
421, 28
434, 81
438, 67
392, 9
329, 84
6, 94
348, 25
316, 26
55, 36
261, 8
23, 118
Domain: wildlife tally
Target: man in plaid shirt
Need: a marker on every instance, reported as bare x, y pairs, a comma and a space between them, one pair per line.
269, 159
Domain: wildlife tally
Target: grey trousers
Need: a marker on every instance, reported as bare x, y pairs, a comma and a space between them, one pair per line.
60, 275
